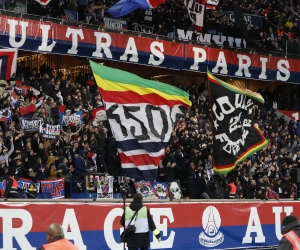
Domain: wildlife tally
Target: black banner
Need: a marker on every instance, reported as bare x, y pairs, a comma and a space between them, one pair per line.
31, 124
236, 137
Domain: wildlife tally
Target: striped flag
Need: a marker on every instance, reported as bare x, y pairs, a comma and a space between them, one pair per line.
28, 110
236, 137
141, 114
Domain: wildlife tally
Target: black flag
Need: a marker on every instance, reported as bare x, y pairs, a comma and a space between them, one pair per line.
236, 137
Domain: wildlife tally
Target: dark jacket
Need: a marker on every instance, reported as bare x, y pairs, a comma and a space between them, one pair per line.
101, 140
21, 172
110, 146
9, 187
284, 243
40, 171
141, 239
202, 185
80, 166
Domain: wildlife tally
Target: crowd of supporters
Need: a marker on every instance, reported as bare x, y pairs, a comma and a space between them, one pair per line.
188, 157
279, 30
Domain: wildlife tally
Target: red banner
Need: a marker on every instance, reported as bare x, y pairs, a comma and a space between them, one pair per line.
32, 35
291, 115
186, 225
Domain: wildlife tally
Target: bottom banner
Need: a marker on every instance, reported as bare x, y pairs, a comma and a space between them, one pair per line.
56, 187
185, 225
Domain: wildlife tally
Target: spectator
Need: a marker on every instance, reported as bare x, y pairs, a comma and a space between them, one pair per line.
290, 233
230, 190
289, 24
82, 6
161, 31
53, 171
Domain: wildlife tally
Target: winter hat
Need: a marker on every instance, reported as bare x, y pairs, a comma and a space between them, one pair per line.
289, 219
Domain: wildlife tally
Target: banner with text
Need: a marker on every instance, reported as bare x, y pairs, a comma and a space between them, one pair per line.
54, 38
56, 188
114, 24
249, 19
22, 183
31, 124
74, 119
49, 131
187, 225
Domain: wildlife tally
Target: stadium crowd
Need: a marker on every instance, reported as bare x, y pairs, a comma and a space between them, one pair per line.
280, 19
188, 157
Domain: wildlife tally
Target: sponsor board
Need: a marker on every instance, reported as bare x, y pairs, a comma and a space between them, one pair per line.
48, 37
184, 225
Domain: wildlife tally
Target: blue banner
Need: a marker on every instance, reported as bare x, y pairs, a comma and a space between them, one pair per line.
71, 119
56, 188
22, 183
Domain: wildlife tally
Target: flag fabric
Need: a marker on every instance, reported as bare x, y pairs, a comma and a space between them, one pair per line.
236, 136
141, 114
62, 108
43, 2
5, 114
14, 98
196, 11
8, 65
28, 110
71, 120
125, 7
99, 114
211, 4
23, 90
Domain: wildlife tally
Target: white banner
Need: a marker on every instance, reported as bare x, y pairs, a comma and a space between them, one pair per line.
105, 187
196, 12
114, 24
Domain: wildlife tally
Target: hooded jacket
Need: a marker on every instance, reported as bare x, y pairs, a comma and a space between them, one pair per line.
140, 239
284, 242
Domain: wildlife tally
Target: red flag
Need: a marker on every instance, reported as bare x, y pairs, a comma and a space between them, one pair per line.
155, 3
43, 2
62, 108
22, 90
99, 113
27, 110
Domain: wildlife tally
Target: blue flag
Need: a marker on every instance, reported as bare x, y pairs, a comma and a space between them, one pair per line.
125, 7
71, 120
